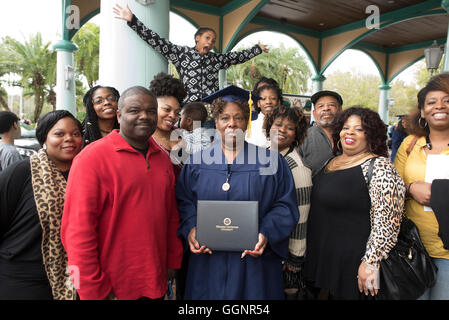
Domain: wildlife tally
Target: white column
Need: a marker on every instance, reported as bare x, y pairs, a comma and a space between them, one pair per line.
445, 6
222, 78
125, 59
65, 76
317, 85
383, 102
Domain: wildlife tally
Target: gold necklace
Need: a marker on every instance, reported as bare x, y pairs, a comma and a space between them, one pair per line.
337, 164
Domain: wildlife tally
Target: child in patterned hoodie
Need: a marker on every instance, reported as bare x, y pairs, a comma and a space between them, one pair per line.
198, 66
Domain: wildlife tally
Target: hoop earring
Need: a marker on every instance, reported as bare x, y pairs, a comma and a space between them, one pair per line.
339, 146
419, 123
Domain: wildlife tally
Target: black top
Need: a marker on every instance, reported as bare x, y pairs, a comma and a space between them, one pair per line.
141, 151
22, 273
338, 230
20, 229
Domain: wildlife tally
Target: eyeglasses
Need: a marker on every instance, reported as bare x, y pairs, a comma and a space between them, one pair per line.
101, 100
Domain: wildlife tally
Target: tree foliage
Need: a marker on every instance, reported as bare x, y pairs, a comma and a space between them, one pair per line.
286, 65
87, 58
404, 98
357, 88
35, 63
6, 66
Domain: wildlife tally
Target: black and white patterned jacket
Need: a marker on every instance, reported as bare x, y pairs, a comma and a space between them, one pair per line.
199, 73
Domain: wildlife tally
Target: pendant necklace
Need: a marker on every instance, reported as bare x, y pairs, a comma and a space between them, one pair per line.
226, 186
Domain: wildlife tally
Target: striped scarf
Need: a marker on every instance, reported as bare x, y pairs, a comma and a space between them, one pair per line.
302, 177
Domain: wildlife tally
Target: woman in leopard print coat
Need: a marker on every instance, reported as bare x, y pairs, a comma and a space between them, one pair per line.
357, 206
33, 262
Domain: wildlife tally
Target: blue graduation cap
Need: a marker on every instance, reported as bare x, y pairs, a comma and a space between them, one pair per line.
233, 93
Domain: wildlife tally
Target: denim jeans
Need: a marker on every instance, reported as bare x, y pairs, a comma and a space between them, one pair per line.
440, 291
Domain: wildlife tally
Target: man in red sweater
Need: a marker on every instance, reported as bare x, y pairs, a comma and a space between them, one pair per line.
120, 215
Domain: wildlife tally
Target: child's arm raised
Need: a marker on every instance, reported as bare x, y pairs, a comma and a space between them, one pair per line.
161, 45
230, 58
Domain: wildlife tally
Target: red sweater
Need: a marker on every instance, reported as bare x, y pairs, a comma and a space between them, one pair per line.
120, 220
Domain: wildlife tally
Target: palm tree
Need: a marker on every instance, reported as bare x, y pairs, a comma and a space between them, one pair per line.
88, 55
285, 65
50, 90
6, 67
3, 97
35, 64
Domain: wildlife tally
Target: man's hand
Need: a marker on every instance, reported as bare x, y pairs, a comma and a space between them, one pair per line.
171, 273
123, 14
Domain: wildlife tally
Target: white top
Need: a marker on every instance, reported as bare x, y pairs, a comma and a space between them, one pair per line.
258, 133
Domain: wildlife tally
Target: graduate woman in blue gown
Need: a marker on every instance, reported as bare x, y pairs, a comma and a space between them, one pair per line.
232, 169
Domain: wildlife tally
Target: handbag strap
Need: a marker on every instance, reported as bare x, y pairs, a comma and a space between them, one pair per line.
370, 170
411, 145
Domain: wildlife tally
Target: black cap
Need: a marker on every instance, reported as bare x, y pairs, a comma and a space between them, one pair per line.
231, 93
324, 93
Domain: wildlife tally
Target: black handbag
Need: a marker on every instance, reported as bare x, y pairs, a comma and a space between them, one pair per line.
408, 271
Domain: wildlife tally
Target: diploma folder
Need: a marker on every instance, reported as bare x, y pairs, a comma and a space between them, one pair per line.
227, 225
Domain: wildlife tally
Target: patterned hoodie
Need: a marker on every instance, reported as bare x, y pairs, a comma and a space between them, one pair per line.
199, 73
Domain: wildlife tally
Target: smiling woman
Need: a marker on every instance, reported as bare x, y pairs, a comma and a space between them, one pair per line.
287, 128
170, 93
237, 174
32, 191
354, 220
430, 140
101, 113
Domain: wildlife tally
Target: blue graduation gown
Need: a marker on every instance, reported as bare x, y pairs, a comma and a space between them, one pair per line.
224, 275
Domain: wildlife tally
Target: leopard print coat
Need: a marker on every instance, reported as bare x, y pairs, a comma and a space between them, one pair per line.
49, 192
387, 193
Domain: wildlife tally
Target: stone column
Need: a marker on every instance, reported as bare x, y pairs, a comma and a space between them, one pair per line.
125, 59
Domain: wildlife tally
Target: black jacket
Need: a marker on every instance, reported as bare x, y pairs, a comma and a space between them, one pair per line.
439, 201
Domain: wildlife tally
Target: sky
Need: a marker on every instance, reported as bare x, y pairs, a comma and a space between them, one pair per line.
20, 18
